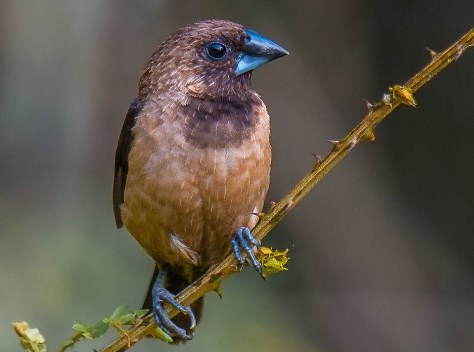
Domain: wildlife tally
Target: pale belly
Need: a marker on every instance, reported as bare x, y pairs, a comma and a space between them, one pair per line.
184, 207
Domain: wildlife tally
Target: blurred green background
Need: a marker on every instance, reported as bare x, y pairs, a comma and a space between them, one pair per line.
382, 252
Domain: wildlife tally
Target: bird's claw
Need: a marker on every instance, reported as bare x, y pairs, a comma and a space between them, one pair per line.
160, 295
244, 240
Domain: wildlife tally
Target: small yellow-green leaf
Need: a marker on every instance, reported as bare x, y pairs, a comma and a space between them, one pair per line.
80, 327
160, 334
140, 313
272, 261
119, 311
125, 319
92, 332
99, 329
30, 338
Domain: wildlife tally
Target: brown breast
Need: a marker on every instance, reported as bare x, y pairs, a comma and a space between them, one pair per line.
193, 180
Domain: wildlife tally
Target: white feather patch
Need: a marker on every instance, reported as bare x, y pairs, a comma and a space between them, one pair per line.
184, 250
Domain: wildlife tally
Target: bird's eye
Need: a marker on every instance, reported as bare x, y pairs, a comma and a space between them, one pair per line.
216, 51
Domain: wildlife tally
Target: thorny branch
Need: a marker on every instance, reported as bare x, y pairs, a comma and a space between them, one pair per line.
398, 94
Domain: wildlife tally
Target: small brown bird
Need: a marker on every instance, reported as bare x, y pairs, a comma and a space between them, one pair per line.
193, 160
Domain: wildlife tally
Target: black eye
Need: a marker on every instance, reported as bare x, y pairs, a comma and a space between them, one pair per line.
216, 51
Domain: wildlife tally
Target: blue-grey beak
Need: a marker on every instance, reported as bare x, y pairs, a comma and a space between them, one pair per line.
256, 51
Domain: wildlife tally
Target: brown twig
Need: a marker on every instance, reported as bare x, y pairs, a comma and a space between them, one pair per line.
398, 94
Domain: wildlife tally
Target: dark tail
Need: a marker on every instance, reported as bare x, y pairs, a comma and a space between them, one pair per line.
175, 284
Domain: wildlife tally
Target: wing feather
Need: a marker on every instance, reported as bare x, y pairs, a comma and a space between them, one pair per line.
121, 157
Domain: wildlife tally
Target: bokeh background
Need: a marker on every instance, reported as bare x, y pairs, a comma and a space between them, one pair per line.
382, 251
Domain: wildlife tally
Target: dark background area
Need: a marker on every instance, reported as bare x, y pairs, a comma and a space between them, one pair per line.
381, 251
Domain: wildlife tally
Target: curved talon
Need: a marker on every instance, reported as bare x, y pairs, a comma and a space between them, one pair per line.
244, 239
160, 295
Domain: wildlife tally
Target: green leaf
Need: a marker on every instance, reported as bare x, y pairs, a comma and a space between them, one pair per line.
125, 319
160, 334
80, 327
99, 329
140, 313
119, 312
91, 332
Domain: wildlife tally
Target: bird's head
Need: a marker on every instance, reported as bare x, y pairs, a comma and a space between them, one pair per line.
209, 59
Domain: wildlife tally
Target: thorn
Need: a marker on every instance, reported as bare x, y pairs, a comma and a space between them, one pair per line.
218, 290
402, 94
370, 106
370, 134
333, 141
432, 53
259, 214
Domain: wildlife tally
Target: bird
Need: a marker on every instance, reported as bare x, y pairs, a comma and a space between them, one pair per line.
192, 164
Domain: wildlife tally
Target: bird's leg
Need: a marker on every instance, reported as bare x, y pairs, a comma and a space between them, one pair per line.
160, 295
244, 240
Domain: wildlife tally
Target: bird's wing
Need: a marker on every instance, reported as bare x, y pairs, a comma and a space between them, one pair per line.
121, 157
